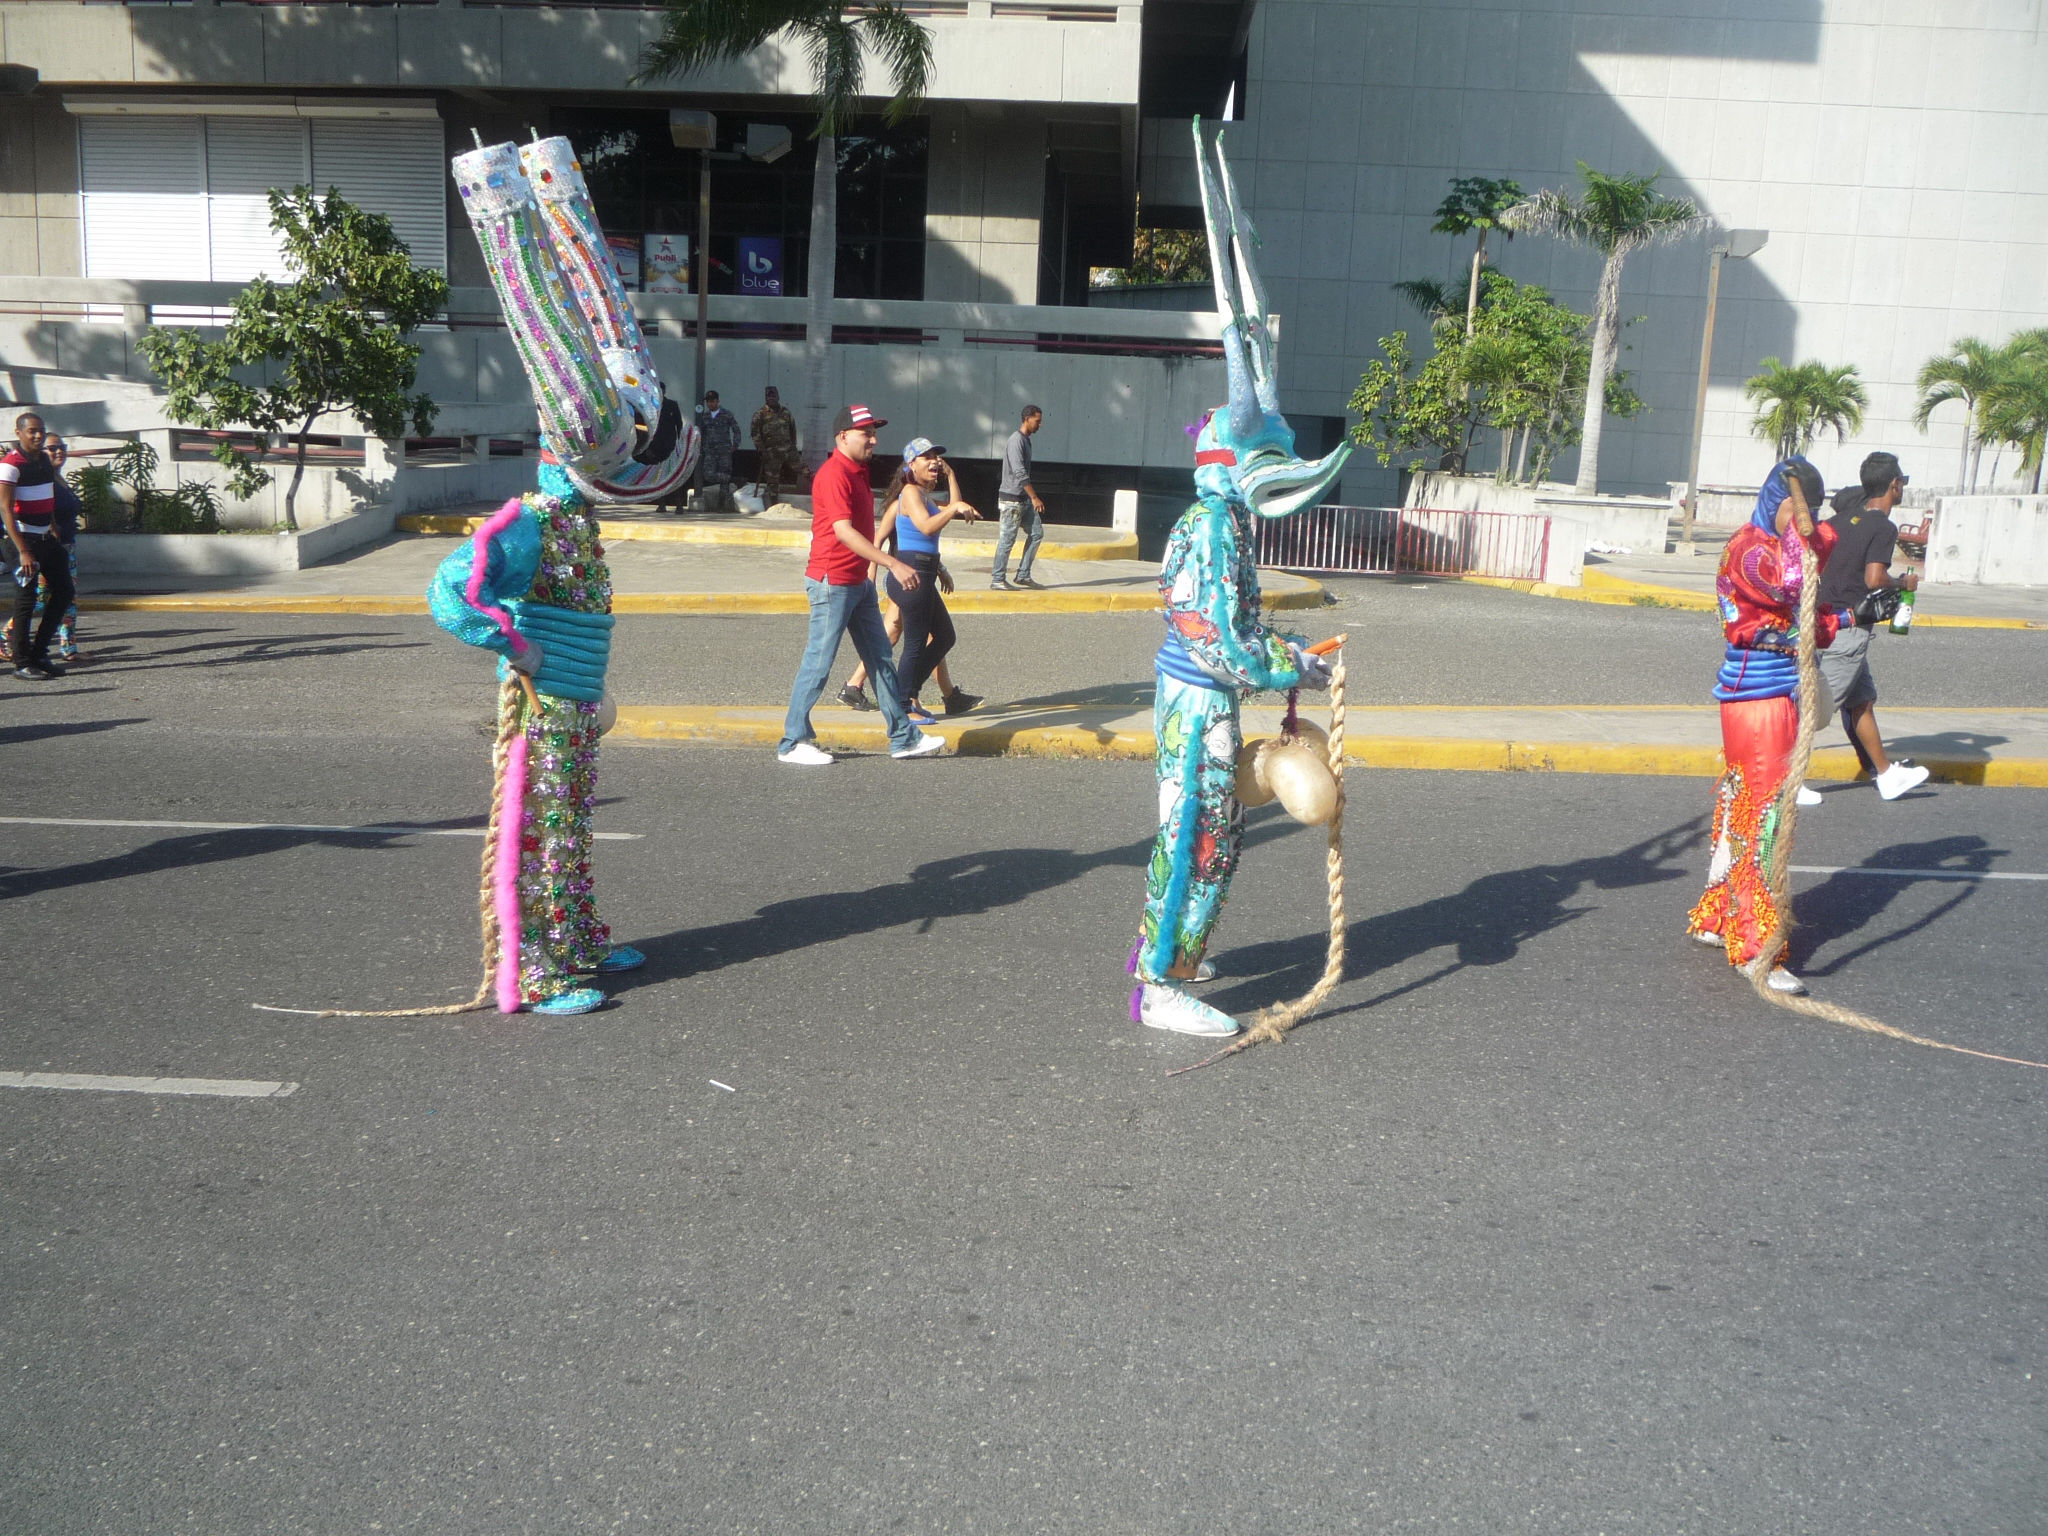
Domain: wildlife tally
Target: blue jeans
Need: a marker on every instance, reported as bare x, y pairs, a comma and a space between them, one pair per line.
1017, 514
835, 611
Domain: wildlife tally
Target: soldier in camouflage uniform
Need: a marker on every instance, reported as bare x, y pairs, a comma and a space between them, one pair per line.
774, 434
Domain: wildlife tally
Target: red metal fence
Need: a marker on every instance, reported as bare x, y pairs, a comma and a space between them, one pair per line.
1384, 541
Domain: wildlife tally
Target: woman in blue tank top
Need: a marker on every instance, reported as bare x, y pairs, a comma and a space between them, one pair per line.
927, 626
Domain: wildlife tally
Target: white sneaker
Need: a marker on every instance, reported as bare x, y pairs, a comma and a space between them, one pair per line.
927, 744
805, 754
1171, 1008
1899, 778
1710, 940
1782, 980
1807, 796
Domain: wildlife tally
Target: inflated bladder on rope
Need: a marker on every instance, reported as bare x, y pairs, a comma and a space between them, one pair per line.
1293, 769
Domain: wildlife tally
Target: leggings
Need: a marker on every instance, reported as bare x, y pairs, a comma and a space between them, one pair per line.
927, 627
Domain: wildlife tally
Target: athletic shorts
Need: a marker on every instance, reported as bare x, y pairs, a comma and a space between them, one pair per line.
1845, 673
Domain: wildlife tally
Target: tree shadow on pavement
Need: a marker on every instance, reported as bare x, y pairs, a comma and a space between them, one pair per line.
1846, 902
1486, 923
113, 657
198, 849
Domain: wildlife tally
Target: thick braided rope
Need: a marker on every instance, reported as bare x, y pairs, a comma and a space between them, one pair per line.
509, 726
1779, 876
1273, 1023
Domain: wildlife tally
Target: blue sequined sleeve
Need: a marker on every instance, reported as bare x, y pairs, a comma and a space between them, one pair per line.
511, 547
1211, 588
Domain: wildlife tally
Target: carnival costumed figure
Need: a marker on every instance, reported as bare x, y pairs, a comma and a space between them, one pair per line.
1216, 651
1758, 589
531, 585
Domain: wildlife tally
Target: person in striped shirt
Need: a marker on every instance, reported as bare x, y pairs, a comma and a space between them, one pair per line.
28, 508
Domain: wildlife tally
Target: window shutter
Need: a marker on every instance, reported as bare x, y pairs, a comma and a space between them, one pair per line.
142, 184
245, 158
396, 169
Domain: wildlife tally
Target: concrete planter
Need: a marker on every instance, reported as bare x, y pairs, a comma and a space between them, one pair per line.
1637, 523
1987, 540
105, 555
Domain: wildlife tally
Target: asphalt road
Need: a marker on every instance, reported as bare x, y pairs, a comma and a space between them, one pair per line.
1546, 1225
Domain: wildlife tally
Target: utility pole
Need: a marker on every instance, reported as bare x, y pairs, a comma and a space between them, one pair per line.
1740, 244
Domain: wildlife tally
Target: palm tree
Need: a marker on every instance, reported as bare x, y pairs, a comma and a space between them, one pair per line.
1795, 405
1615, 215
2015, 407
697, 33
1481, 203
1433, 299
1969, 372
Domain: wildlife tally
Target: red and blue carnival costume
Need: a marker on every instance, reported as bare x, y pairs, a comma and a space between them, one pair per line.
1758, 588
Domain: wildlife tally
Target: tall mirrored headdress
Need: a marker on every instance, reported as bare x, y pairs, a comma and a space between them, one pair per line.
1244, 451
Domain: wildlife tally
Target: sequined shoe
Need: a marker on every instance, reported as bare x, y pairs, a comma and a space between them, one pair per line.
623, 958
572, 1000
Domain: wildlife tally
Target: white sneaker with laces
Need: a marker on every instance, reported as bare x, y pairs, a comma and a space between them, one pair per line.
1807, 796
1899, 778
1171, 1008
805, 754
926, 745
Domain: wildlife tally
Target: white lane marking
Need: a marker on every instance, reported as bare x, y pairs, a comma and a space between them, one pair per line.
278, 826
714, 1082
207, 1087
1888, 872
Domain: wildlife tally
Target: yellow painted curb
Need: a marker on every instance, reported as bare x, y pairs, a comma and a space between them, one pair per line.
843, 731
1616, 591
1308, 594
1123, 546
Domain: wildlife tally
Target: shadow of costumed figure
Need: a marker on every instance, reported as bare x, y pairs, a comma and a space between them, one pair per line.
1216, 651
532, 586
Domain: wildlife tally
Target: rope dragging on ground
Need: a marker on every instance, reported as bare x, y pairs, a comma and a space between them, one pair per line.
1785, 814
510, 724
1271, 1024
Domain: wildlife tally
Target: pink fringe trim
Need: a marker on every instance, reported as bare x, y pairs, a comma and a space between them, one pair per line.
505, 873
479, 558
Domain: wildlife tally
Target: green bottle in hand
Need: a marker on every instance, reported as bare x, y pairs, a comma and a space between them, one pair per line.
1902, 617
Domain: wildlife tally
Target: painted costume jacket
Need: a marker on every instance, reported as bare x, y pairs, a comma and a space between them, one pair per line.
535, 571
1210, 583
1757, 592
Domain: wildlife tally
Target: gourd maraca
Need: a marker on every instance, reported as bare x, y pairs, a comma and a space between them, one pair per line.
1295, 770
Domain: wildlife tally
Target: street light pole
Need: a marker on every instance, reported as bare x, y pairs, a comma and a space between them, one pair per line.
703, 267
1740, 244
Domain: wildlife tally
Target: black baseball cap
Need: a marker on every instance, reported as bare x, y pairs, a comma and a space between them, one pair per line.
851, 416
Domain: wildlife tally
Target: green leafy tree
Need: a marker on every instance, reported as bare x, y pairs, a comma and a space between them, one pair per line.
1796, 403
1476, 203
1522, 371
1966, 376
1616, 216
1159, 256
333, 338
834, 41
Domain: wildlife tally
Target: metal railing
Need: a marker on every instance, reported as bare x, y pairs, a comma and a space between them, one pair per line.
1385, 541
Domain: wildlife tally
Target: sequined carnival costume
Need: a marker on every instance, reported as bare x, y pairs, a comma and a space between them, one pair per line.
1758, 590
1216, 651
531, 585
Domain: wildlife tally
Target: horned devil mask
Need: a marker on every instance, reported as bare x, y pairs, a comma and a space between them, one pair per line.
1244, 451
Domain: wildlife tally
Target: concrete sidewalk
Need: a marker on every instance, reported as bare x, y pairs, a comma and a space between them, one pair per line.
678, 574
1681, 581
1964, 746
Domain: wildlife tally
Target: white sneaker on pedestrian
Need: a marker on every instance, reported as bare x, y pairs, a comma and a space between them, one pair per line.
806, 754
1899, 778
926, 745
1807, 796
1171, 1008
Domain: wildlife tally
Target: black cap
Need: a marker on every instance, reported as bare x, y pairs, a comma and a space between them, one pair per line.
851, 416
1811, 486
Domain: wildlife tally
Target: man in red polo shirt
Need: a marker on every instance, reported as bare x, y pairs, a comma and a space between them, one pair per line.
28, 513
842, 597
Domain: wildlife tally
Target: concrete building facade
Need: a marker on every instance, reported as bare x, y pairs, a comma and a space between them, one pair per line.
1897, 152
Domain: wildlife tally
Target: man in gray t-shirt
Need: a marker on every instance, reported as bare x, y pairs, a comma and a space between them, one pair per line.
1018, 501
